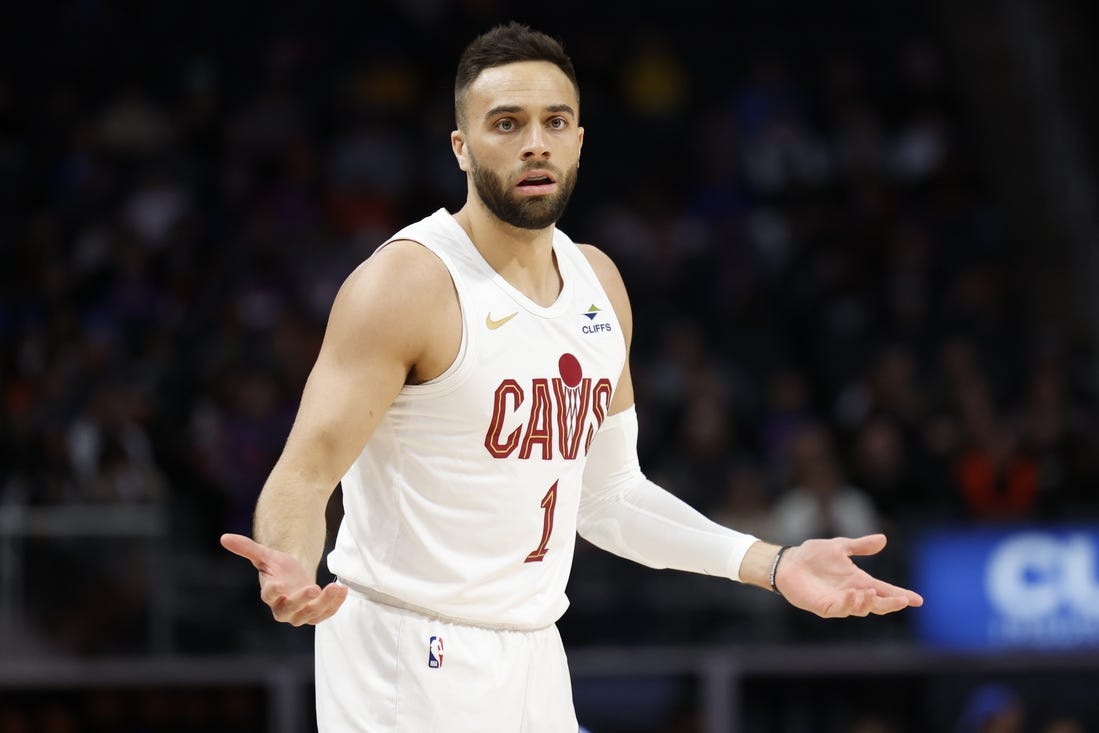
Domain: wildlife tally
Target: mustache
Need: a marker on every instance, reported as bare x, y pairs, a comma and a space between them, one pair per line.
557, 172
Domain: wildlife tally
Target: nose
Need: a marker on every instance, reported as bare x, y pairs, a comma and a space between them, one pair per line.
536, 144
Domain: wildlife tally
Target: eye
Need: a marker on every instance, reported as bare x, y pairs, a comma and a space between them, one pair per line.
558, 123
505, 125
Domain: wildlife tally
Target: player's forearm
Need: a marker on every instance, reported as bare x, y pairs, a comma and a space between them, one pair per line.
290, 515
625, 513
648, 525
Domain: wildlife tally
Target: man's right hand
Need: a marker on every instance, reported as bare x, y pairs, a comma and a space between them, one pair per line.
286, 585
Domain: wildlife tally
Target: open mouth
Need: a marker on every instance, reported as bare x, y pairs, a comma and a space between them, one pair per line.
536, 182
537, 179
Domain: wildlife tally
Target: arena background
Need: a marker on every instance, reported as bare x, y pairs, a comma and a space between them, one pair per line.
862, 246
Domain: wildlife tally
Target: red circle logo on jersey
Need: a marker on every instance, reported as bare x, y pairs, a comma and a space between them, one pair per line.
571, 373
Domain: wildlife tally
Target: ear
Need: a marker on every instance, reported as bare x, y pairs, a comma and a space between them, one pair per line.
580, 139
458, 146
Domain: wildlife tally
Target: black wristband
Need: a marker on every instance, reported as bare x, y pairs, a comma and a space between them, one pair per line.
774, 567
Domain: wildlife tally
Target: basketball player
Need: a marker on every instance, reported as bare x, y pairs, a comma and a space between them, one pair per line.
473, 395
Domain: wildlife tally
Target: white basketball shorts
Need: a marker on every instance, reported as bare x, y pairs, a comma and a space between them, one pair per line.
384, 669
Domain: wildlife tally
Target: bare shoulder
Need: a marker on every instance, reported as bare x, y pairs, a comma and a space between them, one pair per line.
602, 264
398, 266
397, 296
395, 277
606, 269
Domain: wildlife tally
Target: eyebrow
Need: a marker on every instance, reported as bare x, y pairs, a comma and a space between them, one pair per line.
514, 109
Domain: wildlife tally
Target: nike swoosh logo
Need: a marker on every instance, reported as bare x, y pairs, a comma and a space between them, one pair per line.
495, 324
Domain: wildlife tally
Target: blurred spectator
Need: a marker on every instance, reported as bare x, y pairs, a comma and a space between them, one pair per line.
882, 466
745, 502
890, 387
997, 477
820, 502
237, 439
133, 123
155, 208
110, 453
698, 471
1057, 433
787, 412
778, 148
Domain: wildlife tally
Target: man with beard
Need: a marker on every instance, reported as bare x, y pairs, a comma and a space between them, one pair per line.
473, 396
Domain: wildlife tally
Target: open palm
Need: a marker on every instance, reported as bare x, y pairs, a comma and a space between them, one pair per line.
819, 576
286, 585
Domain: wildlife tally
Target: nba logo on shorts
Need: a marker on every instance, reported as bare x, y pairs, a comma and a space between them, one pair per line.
435, 652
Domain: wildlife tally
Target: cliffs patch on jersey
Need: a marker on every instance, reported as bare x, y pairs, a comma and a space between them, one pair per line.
555, 414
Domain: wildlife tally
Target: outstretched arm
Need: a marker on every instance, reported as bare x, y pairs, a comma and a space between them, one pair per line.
626, 514
375, 337
623, 512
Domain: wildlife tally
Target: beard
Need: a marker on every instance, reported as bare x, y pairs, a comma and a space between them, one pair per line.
523, 212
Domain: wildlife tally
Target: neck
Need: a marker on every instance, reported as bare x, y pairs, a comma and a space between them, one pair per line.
523, 257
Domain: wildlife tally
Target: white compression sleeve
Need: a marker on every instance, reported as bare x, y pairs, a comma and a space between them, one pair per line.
623, 512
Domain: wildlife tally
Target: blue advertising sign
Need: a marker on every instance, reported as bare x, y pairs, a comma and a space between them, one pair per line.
1033, 586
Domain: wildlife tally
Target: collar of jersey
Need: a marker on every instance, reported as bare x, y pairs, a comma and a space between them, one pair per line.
564, 266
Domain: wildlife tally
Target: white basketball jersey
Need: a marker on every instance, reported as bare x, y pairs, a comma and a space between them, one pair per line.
464, 501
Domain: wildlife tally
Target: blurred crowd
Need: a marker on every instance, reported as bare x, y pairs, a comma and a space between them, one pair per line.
830, 335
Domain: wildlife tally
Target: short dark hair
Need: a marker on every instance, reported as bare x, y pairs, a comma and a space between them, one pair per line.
508, 43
